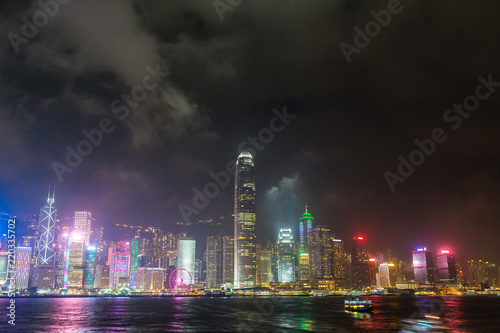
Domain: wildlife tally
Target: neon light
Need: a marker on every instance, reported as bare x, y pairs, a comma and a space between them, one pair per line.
445, 251
66, 269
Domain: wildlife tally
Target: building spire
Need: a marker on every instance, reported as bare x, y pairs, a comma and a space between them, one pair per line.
306, 206
49, 199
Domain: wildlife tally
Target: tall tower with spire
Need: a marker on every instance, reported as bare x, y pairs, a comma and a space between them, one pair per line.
45, 254
305, 225
245, 259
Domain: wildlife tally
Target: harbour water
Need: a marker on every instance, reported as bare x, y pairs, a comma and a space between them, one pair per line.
245, 314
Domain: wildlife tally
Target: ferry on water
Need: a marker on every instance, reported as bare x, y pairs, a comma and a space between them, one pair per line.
358, 304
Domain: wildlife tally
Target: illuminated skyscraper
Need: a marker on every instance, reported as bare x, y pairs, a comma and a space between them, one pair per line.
360, 268
285, 256
74, 264
4, 260
148, 278
423, 265
304, 267
320, 252
214, 262
119, 263
227, 260
264, 273
387, 275
101, 279
89, 267
338, 261
83, 220
305, 225
134, 262
186, 249
447, 270
373, 272
45, 254
22, 267
245, 266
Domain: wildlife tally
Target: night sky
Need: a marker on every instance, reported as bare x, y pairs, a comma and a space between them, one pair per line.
225, 78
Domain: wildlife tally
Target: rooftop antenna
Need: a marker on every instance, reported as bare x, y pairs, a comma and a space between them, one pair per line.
306, 206
49, 199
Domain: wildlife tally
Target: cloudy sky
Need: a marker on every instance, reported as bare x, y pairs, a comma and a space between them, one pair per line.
225, 77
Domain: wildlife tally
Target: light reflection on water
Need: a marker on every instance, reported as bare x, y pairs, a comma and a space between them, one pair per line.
294, 314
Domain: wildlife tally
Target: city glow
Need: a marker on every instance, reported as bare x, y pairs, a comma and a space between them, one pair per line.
77, 236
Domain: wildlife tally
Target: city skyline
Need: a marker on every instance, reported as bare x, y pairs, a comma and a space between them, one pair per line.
217, 84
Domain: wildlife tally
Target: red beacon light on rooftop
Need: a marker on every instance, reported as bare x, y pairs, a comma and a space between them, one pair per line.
359, 238
445, 251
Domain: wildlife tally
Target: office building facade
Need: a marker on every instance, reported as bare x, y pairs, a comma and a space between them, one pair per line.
245, 265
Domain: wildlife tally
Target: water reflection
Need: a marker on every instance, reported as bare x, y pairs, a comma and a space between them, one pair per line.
325, 314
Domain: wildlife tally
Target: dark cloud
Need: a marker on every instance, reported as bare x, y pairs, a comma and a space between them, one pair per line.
225, 79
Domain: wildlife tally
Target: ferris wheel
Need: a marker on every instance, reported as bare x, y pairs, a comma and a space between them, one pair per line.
180, 280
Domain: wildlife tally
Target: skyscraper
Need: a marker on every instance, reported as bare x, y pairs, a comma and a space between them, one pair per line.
387, 275
320, 252
186, 249
4, 260
83, 220
423, 265
89, 267
373, 272
134, 262
264, 272
22, 267
338, 261
148, 278
214, 262
45, 254
227, 260
447, 270
119, 263
304, 267
360, 267
305, 225
74, 262
101, 279
44, 270
245, 266
285, 256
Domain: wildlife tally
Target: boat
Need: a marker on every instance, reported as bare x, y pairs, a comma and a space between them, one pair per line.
358, 304
426, 324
